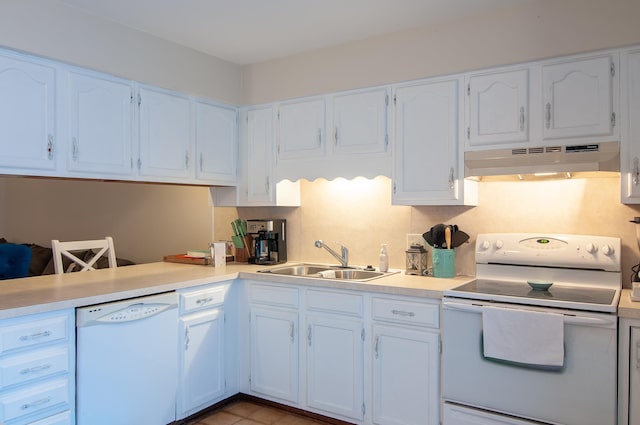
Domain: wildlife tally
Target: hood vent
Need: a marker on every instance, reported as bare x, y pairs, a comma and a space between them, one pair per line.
543, 159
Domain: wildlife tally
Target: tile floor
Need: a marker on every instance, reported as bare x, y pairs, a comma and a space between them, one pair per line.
249, 413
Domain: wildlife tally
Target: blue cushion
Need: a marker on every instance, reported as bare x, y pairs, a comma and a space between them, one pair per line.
14, 260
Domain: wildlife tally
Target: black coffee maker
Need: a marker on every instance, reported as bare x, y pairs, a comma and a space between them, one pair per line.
269, 244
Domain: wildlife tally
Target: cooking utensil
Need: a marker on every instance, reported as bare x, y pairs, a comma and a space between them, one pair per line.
238, 237
447, 236
435, 236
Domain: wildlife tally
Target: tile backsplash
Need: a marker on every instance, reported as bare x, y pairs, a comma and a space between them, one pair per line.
359, 214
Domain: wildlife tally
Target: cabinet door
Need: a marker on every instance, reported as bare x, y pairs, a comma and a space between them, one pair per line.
335, 365
274, 353
406, 395
426, 138
634, 377
216, 142
201, 356
165, 134
460, 415
360, 122
260, 184
27, 117
301, 129
498, 108
578, 98
100, 124
630, 133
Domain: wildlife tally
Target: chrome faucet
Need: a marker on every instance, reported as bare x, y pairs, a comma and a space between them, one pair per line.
344, 259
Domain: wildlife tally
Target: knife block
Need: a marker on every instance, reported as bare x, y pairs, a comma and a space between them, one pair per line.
243, 254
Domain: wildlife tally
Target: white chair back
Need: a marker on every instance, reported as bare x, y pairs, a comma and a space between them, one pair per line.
100, 248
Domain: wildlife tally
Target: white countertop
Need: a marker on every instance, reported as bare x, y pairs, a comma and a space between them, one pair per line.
54, 292
627, 308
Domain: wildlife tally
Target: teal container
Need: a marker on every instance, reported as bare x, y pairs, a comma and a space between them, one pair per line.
444, 262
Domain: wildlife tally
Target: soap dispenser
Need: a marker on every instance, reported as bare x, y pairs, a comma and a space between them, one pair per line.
384, 258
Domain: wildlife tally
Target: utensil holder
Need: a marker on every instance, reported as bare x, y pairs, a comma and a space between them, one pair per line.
444, 262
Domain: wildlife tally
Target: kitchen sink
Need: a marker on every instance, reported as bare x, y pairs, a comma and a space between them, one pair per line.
326, 272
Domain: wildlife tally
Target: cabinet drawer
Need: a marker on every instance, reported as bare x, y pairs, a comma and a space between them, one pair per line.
204, 298
34, 399
406, 312
335, 302
274, 295
63, 418
34, 332
33, 365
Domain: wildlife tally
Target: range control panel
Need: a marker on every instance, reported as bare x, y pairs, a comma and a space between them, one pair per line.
549, 250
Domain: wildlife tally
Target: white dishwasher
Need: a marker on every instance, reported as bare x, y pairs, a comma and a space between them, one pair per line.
127, 361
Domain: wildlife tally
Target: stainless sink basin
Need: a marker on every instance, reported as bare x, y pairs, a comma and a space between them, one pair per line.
357, 274
335, 272
297, 270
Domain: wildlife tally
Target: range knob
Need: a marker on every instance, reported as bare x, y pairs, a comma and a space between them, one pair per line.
591, 248
485, 245
498, 244
607, 250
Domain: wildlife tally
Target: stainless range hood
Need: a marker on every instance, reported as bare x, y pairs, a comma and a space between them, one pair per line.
561, 159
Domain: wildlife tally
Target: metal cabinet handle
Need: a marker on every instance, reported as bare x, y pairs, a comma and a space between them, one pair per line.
186, 339
201, 162
319, 137
50, 146
202, 301
403, 313
309, 335
638, 355
292, 329
267, 185
522, 118
36, 403
74, 149
186, 159
451, 179
37, 335
636, 171
335, 135
35, 369
547, 115
376, 347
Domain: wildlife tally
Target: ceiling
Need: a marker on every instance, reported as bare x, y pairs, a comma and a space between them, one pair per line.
251, 31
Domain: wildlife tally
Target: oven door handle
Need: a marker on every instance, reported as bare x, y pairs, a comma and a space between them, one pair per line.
605, 322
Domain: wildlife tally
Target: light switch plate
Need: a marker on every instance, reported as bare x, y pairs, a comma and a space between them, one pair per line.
415, 239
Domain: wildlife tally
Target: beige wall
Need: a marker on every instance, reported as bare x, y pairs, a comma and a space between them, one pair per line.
539, 29
146, 221
359, 214
52, 29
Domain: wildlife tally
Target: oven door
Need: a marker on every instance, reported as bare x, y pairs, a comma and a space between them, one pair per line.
582, 392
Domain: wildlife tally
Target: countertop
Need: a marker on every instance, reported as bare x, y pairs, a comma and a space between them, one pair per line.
55, 292
626, 308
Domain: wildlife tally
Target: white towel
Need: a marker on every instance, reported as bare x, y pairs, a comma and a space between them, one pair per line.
527, 337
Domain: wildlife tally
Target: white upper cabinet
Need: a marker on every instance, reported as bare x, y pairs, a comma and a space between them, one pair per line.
360, 122
100, 129
578, 97
301, 128
630, 132
260, 184
216, 142
27, 115
498, 108
166, 139
426, 162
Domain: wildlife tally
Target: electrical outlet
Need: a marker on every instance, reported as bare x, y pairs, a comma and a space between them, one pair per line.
415, 239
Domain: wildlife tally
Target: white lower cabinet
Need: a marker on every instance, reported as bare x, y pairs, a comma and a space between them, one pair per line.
335, 353
201, 349
274, 341
628, 372
37, 369
406, 362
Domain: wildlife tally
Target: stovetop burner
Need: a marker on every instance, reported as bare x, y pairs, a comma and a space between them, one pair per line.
573, 294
